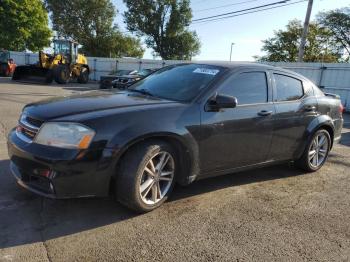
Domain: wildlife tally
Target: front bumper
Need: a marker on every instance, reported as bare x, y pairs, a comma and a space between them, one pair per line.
60, 173
46, 189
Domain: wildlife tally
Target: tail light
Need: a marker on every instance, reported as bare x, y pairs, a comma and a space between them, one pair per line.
341, 109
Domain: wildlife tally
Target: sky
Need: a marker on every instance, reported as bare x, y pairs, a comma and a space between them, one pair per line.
246, 32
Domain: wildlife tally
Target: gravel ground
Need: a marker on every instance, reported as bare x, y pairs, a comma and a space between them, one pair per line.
271, 214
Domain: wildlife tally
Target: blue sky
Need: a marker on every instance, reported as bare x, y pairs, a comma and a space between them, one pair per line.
245, 31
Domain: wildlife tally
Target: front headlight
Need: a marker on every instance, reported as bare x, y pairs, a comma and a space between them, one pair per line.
65, 135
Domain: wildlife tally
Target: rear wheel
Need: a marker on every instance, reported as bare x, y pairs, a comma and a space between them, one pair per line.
83, 77
61, 74
146, 176
316, 153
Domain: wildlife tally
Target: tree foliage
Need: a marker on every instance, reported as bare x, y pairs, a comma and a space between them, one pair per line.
338, 22
90, 22
164, 24
23, 25
284, 45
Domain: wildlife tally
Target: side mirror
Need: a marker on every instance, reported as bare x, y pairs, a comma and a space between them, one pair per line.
219, 101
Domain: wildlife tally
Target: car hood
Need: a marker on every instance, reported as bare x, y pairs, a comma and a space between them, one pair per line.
89, 102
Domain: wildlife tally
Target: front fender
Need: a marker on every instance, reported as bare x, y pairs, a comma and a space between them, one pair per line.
178, 126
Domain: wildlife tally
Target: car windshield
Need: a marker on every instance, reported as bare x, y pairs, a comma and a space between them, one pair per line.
144, 72
179, 82
124, 72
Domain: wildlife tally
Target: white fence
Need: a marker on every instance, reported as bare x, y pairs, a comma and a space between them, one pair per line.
332, 78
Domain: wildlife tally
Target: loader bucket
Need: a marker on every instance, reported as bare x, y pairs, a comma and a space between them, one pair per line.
32, 73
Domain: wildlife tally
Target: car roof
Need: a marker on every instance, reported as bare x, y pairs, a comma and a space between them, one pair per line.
235, 65
250, 65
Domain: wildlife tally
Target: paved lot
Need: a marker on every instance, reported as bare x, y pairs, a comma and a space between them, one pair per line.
276, 213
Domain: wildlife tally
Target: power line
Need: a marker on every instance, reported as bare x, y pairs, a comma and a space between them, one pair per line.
246, 13
242, 10
222, 6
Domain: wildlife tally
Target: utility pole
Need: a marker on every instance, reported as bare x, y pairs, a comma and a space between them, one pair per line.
305, 31
232, 44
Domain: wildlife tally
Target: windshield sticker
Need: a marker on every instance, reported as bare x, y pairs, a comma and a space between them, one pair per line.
206, 71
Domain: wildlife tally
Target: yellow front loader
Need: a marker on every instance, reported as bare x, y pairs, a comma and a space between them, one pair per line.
62, 66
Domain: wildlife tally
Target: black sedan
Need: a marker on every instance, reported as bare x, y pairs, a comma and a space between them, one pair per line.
106, 81
182, 123
125, 81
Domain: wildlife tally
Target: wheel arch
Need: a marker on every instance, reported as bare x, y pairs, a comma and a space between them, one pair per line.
322, 121
187, 155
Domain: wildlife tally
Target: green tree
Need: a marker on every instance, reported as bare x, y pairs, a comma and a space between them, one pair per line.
90, 23
338, 22
284, 45
164, 24
23, 25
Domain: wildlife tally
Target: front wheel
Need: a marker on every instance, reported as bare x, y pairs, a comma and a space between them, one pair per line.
146, 176
61, 74
316, 153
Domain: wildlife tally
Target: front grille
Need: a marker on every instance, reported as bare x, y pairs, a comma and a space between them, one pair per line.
28, 127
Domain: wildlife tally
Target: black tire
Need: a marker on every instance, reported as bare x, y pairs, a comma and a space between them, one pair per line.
61, 74
305, 162
83, 78
132, 170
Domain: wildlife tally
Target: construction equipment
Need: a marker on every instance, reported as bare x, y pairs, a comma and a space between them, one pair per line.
62, 66
7, 65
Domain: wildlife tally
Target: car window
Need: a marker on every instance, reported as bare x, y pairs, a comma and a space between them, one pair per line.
179, 82
122, 72
144, 72
288, 88
248, 88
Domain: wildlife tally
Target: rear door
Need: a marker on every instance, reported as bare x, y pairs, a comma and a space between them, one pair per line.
296, 107
241, 136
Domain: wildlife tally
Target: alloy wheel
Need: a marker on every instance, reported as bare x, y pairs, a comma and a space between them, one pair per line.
318, 150
157, 178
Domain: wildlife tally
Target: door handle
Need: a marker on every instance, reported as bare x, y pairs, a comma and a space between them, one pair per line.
265, 113
309, 108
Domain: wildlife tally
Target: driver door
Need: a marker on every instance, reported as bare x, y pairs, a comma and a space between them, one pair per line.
240, 136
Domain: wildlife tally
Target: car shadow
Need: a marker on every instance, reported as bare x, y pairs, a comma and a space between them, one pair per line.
26, 218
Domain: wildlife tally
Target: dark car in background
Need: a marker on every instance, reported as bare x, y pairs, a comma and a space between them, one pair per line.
125, 81
123, 78
182, 123
106, 81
